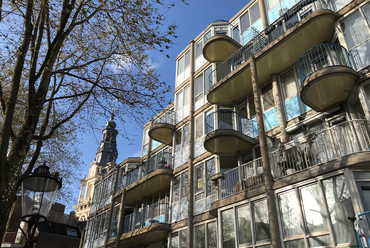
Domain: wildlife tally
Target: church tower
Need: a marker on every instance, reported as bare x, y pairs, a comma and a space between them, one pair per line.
106, 156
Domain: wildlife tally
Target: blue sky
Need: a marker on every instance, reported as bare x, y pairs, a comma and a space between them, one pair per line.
190, 20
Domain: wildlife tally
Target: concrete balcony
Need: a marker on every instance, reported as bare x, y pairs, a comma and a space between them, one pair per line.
314, 150
145, 226
151, 177
308, 23
218, 41
327, 76
227, 133
163, 127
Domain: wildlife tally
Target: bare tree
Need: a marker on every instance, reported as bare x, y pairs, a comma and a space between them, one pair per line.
64, 62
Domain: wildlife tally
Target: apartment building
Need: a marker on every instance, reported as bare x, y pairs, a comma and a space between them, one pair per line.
266, 144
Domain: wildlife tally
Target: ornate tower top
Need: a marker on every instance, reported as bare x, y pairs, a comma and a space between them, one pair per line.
107, 151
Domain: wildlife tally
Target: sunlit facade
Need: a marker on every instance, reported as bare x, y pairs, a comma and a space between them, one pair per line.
267, 141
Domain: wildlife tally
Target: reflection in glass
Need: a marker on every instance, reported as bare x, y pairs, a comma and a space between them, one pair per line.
244, 224
316, 219
295, 243
290, 214
212, 235
261, 221
200, 238
340, 207
228, 232
319, 241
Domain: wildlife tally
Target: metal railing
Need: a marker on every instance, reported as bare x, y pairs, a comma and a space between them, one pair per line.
218, 27
168, 116
229, 120
153, 214
362, 230
162, 160
322, 56
259, 41
244, 177
317, 148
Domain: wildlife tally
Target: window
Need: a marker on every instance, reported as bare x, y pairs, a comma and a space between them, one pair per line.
182, 103
201, 86
245, 224
199, 48
289, 88
203, 185
269, 109
276, 8
206, 235
199, 127
357, 35
180, 197
144, 150
251, 23
181, 145
72, 232
183, 68
311, 200
179, 239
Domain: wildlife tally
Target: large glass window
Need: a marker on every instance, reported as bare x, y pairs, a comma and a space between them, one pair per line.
179, 206
183, 68
144, 150
251, 23
181, 145
356, 29
246, 224
307, 212
276, 8
203, 185
206, 235
182, 103
289, 88
269, 109
201, 87
179, 239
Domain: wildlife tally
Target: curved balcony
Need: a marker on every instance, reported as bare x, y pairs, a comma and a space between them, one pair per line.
227, 133
152, 176
327, 76
163, 127
308, 23
218, 41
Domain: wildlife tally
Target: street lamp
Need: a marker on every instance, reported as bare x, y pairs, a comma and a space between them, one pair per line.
38, 192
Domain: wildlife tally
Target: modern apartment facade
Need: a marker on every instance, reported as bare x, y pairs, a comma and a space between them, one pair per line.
266, 144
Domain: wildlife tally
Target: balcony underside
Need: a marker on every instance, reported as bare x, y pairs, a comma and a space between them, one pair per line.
146, 235
328, 87
227, 142
162, 132
219, 48
275, 57
149, 185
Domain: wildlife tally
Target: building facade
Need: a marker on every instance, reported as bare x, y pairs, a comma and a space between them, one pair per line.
266, 144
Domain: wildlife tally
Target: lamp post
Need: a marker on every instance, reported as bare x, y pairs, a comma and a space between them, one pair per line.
38, 192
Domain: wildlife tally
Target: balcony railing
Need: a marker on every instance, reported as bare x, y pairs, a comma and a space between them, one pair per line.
227, 120
244, 177
153, 214
168, 117
162, 160
322, 56
220, 27
317, 148
288, 20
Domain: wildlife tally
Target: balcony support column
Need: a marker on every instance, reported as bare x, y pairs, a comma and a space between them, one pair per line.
265, 21
110, 218
279, 108
121, 218
271, 205
191, 152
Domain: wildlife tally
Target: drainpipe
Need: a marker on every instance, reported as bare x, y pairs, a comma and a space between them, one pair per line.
120, 218
271, 205
263, 13
191, 150
111, 208
279, 108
